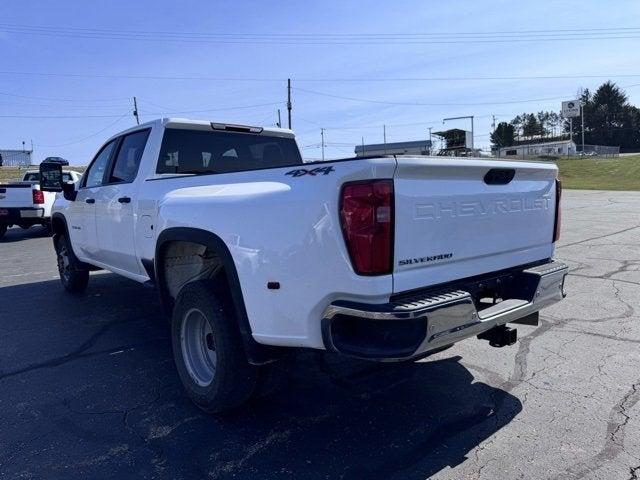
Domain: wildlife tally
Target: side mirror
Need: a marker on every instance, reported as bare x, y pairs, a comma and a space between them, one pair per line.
69, 191
51, 177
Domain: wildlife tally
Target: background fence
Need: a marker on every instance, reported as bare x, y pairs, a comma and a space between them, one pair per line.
599, 150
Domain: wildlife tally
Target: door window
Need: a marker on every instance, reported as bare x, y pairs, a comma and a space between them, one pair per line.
95, 172
127, 162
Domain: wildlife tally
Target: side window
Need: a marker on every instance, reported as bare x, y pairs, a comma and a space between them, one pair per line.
95, 173
127, 162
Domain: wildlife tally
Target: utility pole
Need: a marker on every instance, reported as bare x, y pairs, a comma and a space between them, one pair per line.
135, 110
430, 144
279, 120
289, 100
363, 154
322, 142
570, 133
384, 136
493, 125
582, 120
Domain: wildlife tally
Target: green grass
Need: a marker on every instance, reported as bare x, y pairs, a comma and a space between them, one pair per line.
8, 174
621, 173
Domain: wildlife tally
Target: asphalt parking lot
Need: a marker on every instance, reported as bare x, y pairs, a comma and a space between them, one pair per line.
88, 387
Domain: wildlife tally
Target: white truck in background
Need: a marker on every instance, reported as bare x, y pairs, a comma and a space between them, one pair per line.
255, 253
24, 204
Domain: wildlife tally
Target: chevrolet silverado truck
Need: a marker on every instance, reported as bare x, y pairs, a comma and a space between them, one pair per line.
25, 204
255, 253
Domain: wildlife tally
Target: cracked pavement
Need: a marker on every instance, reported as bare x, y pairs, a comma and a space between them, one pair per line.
88, 388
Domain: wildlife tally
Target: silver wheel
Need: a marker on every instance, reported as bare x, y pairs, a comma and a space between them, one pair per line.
64, 262
198, 347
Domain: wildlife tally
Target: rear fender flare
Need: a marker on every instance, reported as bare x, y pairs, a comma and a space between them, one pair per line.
257, 353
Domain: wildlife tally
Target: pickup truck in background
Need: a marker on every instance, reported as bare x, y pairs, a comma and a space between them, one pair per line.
24, 204
255, 253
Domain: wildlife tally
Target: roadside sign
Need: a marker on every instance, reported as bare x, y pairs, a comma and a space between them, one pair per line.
571, 108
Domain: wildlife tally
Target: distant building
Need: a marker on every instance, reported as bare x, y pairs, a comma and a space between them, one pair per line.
417, 147
15, 158
559, 147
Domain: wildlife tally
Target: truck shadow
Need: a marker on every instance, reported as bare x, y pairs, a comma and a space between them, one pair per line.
17, 234
89, 390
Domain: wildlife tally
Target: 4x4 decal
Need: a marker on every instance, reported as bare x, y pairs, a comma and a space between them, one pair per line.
313, 172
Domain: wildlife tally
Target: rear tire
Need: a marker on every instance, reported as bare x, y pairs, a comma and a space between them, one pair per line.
73, 274
3, 230
208, 350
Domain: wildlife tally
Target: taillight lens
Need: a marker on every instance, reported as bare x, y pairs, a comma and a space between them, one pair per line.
38, 197
366, 213
558, 221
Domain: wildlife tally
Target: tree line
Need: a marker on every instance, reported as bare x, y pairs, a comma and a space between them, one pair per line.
609, 119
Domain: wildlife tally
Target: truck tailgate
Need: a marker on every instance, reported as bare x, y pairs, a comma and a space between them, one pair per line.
16, 194
457, 217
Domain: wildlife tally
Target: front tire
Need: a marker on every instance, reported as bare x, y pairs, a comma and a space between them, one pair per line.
73, 274
3, 230
208, 349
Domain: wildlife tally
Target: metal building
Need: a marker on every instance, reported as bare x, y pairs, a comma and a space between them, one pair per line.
416, 147
560, 147
15, 158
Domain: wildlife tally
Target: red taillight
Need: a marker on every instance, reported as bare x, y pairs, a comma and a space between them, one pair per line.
558, 221
38, 196
366, 212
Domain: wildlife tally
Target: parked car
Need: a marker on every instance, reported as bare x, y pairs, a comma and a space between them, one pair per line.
255, 253
25, 204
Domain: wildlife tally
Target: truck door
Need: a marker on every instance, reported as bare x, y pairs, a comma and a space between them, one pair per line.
80, 215
116, 206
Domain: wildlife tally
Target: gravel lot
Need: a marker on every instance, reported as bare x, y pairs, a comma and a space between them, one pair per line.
88, 388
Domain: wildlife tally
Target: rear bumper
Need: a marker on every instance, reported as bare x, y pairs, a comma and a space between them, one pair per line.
414, 324
21, 216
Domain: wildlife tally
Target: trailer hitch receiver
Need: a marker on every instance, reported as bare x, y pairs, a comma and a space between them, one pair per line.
500, 336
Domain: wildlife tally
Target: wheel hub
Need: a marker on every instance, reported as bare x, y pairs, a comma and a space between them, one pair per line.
198, 347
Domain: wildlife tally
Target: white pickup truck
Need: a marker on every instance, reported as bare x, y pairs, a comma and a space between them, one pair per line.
255, 253
24, 204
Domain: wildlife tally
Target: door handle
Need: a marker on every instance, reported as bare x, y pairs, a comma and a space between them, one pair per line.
90, 200
124, 200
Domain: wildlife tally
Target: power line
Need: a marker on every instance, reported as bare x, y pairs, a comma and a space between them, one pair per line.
348, 34
329, 38
420, 104
7, 94
86, 137
144, 76
147, 114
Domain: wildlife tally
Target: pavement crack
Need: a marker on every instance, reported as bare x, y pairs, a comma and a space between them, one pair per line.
81, 351
624, 230
614, 438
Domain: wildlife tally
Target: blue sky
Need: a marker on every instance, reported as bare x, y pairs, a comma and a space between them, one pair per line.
97, 103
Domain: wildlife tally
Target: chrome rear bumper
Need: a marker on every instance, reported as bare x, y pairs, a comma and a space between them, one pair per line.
413, 325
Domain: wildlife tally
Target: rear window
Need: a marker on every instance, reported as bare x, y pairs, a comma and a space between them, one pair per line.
35, 177
199, 151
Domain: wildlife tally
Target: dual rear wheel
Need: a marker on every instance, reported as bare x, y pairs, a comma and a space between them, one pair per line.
209, 352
